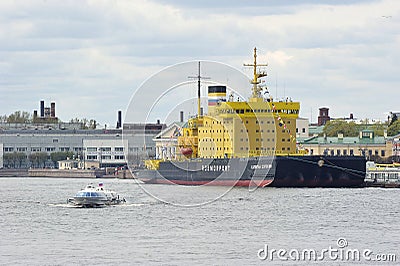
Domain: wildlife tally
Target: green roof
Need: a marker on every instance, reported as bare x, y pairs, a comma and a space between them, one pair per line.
315, 130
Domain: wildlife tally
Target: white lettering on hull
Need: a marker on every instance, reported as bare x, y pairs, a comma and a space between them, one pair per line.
215, 168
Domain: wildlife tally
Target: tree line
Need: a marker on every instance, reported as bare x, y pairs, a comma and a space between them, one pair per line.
35, 160
26, 117
334, 127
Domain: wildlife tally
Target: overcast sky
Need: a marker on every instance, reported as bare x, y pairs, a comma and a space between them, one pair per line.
90, 56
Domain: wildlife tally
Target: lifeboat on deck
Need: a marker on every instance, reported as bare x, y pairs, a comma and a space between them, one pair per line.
187, 151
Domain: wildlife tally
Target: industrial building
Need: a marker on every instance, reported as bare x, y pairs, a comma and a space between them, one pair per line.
109, 147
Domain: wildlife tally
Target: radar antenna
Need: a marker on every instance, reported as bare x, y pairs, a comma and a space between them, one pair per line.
198, 77
256, 90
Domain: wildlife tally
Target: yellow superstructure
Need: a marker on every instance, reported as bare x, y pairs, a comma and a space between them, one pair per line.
242, 129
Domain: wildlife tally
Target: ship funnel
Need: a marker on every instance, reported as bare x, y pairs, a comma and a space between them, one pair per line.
216, 94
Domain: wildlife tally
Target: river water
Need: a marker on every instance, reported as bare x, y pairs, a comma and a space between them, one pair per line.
240, 227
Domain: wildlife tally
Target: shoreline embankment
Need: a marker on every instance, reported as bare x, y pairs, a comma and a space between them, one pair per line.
61, 173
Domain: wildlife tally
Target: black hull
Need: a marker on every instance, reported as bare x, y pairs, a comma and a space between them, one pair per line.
320, 171
281, 171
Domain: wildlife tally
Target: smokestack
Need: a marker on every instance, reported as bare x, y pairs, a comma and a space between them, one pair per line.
53, 110
34, 115
158, 121
41, 108
181, 116
351, 116
119, 121
47, 112
201, 111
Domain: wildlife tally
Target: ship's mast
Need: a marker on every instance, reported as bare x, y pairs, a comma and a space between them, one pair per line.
256, 89
198, 77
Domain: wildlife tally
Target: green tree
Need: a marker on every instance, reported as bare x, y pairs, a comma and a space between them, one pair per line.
14, 160
19, 117
379, 128
394, 128
7, 160
394, 119
61, 155
86, 123
92, 124
3, 118
38, 159
20, 158
334, 127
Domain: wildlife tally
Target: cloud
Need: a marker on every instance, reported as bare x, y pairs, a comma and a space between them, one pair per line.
90, 56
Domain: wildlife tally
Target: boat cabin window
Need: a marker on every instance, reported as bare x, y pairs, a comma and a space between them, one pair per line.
88, 194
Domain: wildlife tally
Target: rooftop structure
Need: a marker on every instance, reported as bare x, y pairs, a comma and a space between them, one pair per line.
47, 114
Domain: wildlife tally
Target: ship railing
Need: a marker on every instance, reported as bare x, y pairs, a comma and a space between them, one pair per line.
187, 141
289, 154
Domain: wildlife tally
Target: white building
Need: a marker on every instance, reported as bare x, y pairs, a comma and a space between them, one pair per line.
109, 152
166, 141
302, 125
1, 155
70, 164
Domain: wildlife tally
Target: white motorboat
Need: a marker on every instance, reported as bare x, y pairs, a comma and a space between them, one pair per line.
92, 196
